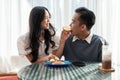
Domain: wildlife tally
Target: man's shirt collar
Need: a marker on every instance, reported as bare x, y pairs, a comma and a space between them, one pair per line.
88, 39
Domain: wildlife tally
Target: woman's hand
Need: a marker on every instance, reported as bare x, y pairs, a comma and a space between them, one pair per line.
40, 60
50, 56
46, 58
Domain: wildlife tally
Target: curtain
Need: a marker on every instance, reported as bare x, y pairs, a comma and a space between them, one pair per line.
107, 25
13, 22
114, 23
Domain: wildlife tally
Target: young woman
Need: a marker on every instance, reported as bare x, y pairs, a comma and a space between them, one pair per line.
40, 41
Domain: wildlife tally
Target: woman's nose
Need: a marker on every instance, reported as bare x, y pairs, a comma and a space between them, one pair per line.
48, 20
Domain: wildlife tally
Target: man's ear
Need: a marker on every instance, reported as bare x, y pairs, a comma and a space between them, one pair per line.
83, 27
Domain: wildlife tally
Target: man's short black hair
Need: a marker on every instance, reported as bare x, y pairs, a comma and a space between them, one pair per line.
87, 17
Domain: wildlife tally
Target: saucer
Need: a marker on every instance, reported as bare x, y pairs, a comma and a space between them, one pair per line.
106, 70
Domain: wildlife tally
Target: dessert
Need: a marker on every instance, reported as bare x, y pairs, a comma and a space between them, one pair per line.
52, 60
56, 60
67, 28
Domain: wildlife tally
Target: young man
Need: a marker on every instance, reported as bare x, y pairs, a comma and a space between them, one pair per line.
82, 44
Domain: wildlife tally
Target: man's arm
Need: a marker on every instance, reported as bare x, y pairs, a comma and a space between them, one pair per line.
59, 51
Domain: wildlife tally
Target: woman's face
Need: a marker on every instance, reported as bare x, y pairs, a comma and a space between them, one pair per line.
46, 21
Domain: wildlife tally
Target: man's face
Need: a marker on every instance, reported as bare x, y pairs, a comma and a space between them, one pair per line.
75, 25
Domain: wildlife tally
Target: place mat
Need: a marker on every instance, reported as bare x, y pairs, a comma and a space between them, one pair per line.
106, 70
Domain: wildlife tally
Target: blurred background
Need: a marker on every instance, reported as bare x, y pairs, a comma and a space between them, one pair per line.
14, 15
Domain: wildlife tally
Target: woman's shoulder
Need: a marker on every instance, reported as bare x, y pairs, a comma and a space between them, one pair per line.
23, 37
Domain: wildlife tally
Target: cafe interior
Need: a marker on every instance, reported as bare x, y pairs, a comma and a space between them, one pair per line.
14, 17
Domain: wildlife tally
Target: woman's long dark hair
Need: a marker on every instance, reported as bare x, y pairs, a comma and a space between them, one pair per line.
36, 17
